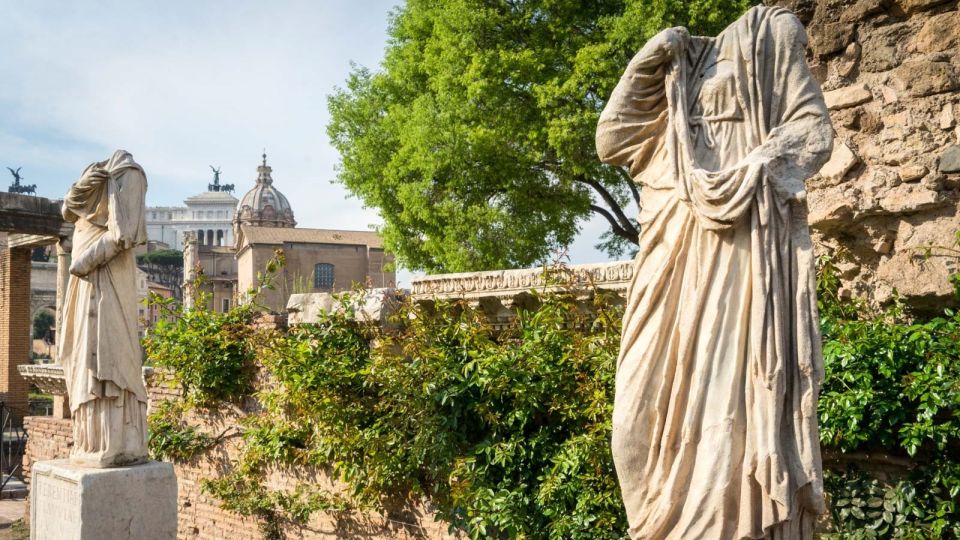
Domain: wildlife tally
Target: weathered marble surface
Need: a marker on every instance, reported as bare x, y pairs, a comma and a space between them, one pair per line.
714, 426
98, 344
70, 502
374, 306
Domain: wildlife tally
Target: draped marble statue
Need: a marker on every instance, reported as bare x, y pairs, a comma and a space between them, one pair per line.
98, 346
714, 426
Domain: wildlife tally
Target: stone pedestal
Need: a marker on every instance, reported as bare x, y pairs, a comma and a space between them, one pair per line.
68, 502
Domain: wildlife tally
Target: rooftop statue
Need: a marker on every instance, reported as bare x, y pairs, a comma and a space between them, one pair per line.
99, 347
17, 187
216, 186
714, 426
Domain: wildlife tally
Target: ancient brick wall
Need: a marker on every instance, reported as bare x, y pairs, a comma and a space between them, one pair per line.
890, 70
48, 438
15, 322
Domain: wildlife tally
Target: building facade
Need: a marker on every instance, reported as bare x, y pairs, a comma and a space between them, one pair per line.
209, 215
317, 260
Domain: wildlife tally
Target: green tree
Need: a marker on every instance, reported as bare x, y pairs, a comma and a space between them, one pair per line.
43, 322
475, 138
164, 266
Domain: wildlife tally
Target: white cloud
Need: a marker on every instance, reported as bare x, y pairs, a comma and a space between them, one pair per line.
183, 85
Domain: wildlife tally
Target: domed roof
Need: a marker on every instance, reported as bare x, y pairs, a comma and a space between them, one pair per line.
264, 205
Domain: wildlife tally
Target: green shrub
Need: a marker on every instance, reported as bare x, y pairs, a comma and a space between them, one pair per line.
892, 386
507, 433
210, 354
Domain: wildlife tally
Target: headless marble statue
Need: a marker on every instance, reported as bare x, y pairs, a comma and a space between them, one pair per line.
714, 426
99, 346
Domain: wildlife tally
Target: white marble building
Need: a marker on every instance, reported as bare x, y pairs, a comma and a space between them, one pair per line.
209, 215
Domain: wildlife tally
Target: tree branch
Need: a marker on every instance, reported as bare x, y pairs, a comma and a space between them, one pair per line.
622, 220
632, 236
630, 183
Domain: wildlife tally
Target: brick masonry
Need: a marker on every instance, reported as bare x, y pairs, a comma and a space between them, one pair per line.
14, 325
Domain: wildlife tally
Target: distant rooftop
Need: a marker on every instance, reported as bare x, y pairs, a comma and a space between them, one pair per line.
212, 197
279, 235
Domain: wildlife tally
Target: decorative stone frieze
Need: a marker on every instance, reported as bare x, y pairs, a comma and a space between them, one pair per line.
613, 276
48, 377
501, 292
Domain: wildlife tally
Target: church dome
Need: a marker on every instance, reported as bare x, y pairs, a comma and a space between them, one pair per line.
264, 205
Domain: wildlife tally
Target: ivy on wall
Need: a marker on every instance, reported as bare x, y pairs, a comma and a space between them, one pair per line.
507, 433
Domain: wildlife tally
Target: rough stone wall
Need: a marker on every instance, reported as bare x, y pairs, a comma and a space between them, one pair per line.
890, 71
200, 516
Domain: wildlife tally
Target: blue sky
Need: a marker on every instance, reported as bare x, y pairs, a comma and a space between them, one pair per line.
183, 85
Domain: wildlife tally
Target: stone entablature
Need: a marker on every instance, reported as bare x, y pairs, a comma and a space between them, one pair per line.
611, 276
498, 292
48, 377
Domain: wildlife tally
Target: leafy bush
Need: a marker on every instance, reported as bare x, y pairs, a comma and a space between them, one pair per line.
171, 438
507, 433
210, 354
892, 385
507, 436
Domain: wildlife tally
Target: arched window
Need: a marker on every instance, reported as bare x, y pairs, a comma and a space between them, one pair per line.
210, 240
219, 237
323, 276
200, 237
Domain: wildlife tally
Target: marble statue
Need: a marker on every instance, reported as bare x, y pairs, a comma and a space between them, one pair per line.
714, 426
98, 346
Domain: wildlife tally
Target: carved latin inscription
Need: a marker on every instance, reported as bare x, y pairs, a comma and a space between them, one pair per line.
57, 503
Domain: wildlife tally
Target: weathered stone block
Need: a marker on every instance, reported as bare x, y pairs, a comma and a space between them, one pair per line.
881, 47
939, 33
946, 118
68, 502
924, 78
911, 6
861, 10
912, 172
910, 198
375, 305
831, 38
848, 96
950, 161
842, 160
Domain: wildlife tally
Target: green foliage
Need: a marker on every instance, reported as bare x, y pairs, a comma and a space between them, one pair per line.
162, 257
892, 385
208, 352
475, 138
244, 494
171, 438
507, 436
43, 322
919, 508
507, 433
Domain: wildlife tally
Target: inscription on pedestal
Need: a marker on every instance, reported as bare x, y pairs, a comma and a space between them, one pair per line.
57, 504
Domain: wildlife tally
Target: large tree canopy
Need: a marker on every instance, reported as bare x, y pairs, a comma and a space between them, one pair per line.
475, 138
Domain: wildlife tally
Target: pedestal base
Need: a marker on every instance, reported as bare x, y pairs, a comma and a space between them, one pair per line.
68, 502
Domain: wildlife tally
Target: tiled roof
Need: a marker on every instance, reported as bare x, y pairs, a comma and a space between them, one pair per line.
279, 235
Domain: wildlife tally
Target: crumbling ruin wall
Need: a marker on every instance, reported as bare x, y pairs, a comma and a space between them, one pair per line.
890, 71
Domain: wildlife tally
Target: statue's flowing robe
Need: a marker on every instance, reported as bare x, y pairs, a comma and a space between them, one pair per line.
99, 345
715, 431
